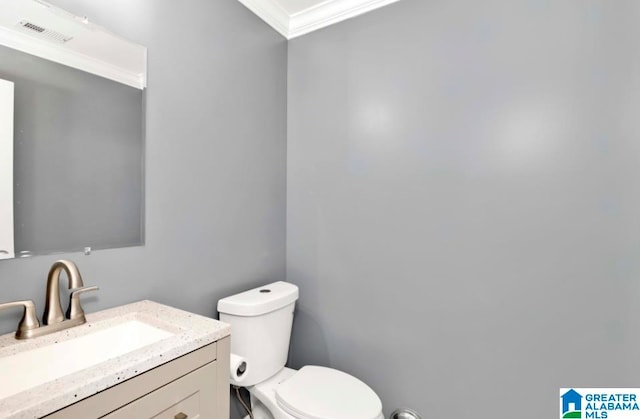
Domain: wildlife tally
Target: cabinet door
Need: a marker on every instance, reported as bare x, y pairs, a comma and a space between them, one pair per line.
190, 397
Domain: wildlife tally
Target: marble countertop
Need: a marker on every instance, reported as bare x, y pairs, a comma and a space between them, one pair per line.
190, 332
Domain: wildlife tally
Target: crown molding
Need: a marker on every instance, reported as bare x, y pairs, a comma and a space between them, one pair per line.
324, 14
70, 58
330, 12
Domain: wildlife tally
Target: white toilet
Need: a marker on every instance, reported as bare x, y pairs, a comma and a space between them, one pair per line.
261, 321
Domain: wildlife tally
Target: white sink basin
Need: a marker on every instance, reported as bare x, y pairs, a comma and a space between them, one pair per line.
34, 367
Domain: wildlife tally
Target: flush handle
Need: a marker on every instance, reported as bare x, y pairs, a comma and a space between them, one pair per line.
181, 416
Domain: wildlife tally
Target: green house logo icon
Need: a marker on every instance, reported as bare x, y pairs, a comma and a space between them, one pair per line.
571, 404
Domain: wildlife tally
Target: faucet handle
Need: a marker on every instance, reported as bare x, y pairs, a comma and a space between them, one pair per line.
75, 311
29, 319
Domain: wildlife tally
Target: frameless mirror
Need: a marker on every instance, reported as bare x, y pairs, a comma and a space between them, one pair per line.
71, 133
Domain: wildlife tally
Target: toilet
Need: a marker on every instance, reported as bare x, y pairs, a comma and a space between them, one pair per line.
261, 321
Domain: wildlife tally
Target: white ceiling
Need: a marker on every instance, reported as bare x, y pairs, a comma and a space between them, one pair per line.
62, 37
293, 18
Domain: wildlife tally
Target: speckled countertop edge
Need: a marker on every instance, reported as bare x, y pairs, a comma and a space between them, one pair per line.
191, 332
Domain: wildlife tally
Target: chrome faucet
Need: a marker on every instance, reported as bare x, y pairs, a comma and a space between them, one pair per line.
53, 318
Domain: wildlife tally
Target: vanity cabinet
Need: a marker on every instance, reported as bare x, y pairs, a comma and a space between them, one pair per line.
192, 386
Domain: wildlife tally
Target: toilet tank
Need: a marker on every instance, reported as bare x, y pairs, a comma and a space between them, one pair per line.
260, 321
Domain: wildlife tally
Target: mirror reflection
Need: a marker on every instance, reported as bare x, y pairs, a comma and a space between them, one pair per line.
71, 134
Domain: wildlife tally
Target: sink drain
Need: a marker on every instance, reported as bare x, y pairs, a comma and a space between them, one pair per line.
405, 414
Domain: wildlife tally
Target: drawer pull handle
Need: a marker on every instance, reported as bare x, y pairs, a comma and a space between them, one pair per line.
181, 416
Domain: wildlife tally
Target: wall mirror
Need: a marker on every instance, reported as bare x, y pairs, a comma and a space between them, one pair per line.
71, 133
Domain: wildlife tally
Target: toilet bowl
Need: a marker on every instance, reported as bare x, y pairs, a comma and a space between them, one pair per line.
261, 321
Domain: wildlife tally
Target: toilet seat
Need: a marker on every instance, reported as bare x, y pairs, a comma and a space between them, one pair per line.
324, 393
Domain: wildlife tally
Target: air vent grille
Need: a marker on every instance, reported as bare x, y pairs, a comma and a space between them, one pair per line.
33, 27
43, 33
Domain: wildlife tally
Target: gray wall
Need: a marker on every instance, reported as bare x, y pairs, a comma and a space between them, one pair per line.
463, 202
78, 157
215, 161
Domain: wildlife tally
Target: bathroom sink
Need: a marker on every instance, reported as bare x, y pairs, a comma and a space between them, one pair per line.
44, 374
64, 356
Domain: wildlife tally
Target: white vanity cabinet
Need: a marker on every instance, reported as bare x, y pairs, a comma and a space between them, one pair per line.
195, 385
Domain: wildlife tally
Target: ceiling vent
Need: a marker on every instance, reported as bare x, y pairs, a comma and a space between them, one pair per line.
43, 33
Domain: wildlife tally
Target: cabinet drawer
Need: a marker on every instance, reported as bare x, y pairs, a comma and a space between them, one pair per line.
190, 397
188, 408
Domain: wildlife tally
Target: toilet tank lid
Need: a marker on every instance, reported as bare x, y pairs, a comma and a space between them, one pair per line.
259, 300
